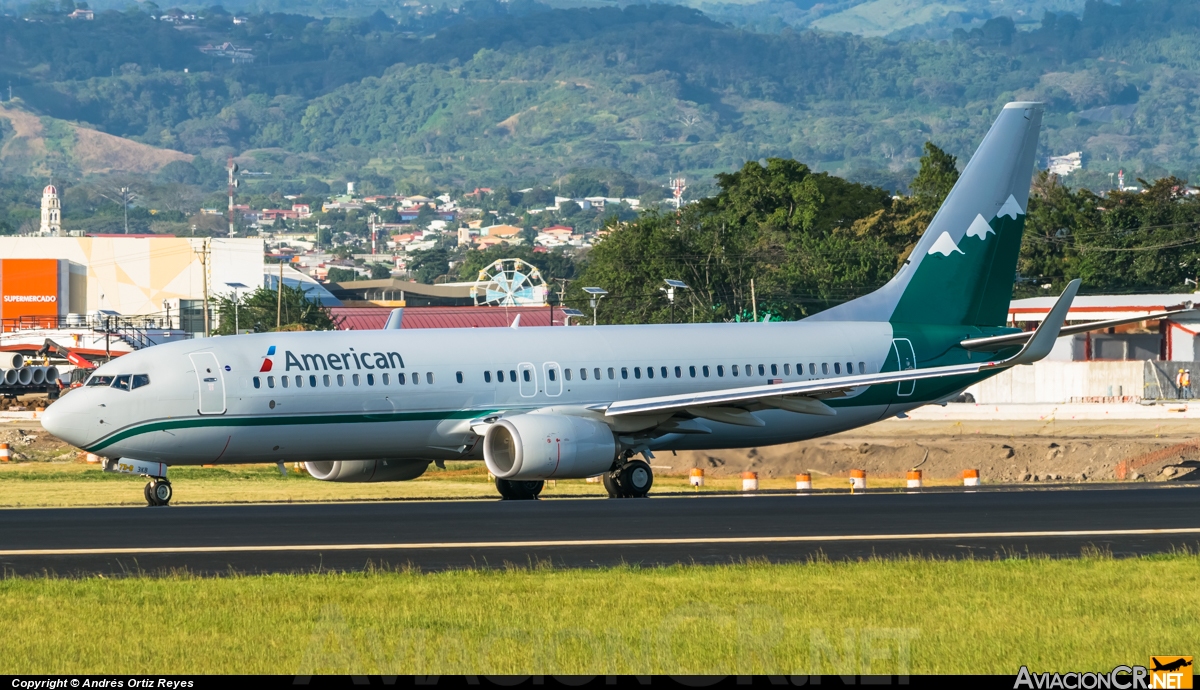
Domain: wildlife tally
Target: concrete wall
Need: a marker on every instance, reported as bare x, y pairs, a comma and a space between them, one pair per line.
1061, 382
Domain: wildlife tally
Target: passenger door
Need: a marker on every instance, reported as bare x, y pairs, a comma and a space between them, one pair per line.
906, 359
211, 382
527, 378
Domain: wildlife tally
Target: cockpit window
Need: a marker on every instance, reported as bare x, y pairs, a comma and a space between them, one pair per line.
140, 380
121, 382
100, 381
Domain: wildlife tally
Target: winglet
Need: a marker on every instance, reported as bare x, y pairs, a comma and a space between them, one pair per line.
516, 322
1047, 332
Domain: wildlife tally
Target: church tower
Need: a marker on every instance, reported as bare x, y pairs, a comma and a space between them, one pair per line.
51, 213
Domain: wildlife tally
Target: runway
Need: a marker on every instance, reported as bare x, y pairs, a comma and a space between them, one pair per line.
433, 535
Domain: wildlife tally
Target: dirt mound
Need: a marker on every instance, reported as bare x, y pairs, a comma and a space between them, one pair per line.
1088, 451
35, 140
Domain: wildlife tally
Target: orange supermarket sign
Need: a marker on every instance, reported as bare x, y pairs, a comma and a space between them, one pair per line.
31, 287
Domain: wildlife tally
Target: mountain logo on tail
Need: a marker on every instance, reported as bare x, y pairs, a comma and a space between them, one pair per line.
267, 363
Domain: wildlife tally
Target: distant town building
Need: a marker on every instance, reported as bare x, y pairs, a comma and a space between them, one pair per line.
228, 50
51, 213
1065, 165
82, 14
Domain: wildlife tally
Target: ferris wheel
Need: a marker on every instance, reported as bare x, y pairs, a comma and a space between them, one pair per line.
509, 283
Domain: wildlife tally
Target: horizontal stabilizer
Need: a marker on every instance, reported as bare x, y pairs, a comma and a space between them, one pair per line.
999, 342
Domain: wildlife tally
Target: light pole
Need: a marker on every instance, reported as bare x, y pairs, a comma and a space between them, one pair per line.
236, 299
596, 294
672, 286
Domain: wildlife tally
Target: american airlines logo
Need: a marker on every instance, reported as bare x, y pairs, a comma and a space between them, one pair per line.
30, 298
338, 361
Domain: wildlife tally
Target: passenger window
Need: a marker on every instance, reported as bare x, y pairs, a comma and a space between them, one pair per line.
787, 369
637, 372
596, 372
624, 373
270, 382
487, 377
825, 368
140, 380
312, 380
812, 369
749, 370
370, 379
399, 378
257, 383
299, 381
354, 379
720, 370
762, 371
734, 370
862, 367
416, 379
679, 373
567, 373
512, 375
774, 370
457, 376
611, 374
325, 380
525, 375
837, 368
704, 370
341, 379
583, 374
429, 377
100, 381
692, 371
849, 367
387, 380
284, 381
663, 371
550, 374
649, 372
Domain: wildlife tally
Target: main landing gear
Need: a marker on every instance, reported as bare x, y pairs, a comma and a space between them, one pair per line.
631, 479
158, 491
519, 490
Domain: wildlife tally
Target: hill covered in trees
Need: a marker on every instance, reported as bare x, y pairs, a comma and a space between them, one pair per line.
519, 93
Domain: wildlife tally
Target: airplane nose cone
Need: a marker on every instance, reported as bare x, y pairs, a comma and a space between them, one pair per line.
62, 421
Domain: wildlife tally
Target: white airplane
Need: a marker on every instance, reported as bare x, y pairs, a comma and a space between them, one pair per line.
558, 403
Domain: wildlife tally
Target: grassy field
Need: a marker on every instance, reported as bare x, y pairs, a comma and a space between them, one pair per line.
79, 484
907, 616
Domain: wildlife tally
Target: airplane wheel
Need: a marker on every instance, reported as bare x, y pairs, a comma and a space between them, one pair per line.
635, 479
160, 492
148, 494
610, 485
519, 490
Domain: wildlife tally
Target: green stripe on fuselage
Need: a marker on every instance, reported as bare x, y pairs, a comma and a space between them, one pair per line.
338, 418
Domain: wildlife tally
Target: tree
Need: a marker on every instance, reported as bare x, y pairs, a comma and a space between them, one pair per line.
342, 275
257, 311
934, 179
380, 271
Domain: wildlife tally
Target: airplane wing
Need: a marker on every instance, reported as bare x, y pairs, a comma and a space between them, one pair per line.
805, 396
999, 342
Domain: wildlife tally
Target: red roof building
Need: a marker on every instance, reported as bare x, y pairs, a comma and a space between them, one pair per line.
373, 318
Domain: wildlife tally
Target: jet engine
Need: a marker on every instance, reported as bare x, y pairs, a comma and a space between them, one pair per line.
548, 446
366, 470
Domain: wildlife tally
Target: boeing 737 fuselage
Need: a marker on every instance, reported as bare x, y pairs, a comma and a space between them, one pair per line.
543, 403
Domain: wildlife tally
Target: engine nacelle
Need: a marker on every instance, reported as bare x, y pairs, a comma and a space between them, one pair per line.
548, 446
366, 470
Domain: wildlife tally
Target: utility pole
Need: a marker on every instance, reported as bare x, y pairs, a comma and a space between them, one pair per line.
232, 169
753, 300
204, 259
279, 302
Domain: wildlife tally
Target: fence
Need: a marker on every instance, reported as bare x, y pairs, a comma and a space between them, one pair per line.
1099, 382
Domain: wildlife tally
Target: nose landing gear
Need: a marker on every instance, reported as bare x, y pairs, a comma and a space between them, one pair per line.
158, 492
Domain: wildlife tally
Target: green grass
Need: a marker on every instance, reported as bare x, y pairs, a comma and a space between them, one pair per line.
903, 616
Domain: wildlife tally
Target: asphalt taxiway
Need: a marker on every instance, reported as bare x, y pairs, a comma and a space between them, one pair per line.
432, 535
